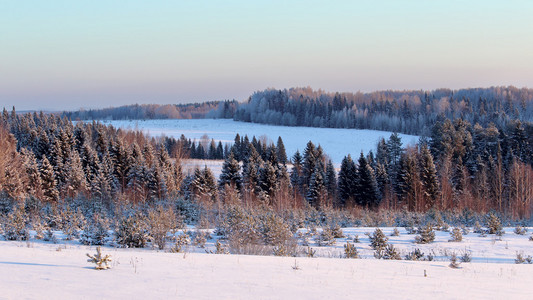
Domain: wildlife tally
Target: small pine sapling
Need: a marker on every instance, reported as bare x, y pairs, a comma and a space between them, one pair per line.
182, 240
350, 251
389, 253
466, 257
415, 255
456, 235
395, 232
101, 261
520, 230
220, 248
378, 240
520, 259
494, 225
310, 252
14, 226
454, 264
427, 235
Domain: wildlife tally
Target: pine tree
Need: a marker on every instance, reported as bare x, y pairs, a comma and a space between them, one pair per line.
347, 181
75, 177
268, 181
280, 151
230, 173
366, 189
331, 180
48, 180
428, 177
316, 189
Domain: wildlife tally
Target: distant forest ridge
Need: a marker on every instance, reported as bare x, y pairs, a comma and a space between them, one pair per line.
410, 111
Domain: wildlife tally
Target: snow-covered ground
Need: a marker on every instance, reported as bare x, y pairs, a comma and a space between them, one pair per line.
336, 142
48, 271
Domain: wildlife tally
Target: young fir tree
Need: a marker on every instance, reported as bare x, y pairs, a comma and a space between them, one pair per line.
280, 151
367, 191
331, 180
347, 181
230, 174
316, 189
48, 180
429, 177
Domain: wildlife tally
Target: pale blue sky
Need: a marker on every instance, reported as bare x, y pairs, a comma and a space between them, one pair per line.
72, 54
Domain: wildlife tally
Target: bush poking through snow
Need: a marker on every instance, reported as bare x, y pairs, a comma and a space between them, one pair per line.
427, 235
49, 236
200, 238
326, 238
466, 257
220, 248
395, 232
494, 224
160, 221
310, 252
520, 259
520, 230
95, 231
456, 235
350, 251
101, 261
389, 253
182, 240
132, 231
454, 264
378, 240
415, 255
14, 226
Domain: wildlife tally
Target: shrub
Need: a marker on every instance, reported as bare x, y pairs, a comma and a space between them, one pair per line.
100, 260
350, 251
494, 224
182, 240
71, 222
415, 255
454, 264
132, 231
389, 252
378, 240
14, 226
466, 257
95, 231
160, 221
200, 238
395, 232
220, 248
326, 238
520, 259
427, 235
520, 230
456, 235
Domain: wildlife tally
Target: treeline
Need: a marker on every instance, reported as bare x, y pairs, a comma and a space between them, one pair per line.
410, 112
213, 109
46, 159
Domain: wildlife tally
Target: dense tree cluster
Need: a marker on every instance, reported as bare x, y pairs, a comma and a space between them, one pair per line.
403, 111
212, 109
459, 166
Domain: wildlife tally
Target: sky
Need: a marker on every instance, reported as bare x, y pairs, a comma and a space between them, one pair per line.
65, 55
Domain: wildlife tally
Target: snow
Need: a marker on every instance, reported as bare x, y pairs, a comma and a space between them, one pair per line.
43, 270
337, 142
46, 271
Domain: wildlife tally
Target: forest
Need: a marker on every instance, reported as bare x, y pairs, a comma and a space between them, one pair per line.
409, 112
48, 159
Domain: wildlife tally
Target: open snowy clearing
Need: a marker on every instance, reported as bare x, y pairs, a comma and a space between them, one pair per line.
337, 142
48, 271
43, 270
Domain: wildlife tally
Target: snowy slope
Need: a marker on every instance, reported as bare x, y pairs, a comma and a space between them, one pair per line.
336, 142
47, 271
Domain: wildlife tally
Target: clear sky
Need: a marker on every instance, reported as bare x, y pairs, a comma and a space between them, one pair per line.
70, 54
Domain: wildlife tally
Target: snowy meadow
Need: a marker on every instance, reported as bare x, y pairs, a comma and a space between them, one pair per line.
336, 142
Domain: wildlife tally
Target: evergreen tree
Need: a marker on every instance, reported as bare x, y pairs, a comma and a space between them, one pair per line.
331, 180
48, 180
280, 151
347, 181
428, 177
366, 190
230, 173
316, 189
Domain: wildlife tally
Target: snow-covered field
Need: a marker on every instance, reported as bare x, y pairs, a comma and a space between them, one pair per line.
336, 142
42, 270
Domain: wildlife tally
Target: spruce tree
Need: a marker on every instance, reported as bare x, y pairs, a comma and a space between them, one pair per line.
366, 190
429, 177
48, 180
280, 151
347, 181
316, 189
230, 173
